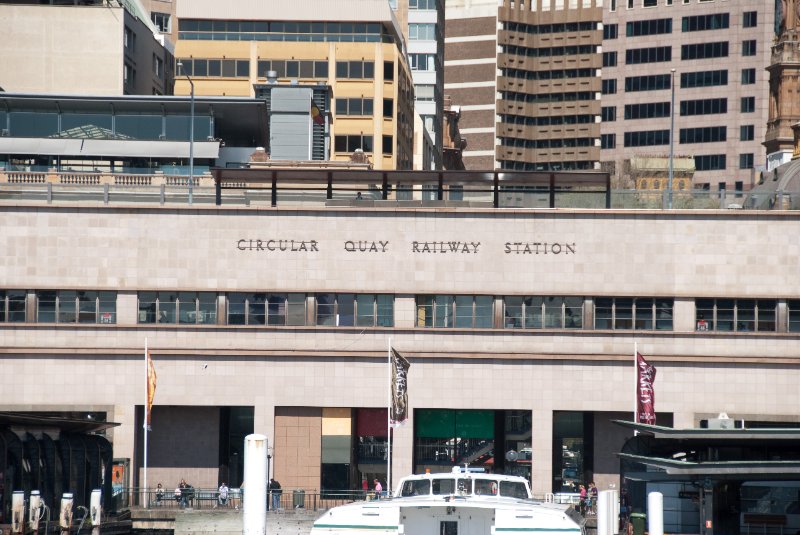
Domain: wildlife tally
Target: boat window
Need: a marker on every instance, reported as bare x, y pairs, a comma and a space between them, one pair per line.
443, 486
485, 487
464, 486
416, 488
513, 489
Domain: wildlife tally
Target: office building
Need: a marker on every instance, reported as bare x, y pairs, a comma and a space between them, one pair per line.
526, 76
423, 27
355, 47
96, 47
718, 51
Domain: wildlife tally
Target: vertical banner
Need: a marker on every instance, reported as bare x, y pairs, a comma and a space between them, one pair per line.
646, 401
399, 393
151, 387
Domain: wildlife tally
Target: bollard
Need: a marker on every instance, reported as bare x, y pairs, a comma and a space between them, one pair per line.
604, 519
655, 513
614, 511
255, 477
35, 510
65, 513
96, 510
18, 511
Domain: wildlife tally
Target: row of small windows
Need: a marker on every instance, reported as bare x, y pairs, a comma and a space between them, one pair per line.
60, 306
647, 110
547, 52
654, 82
699, 23
704, 106
354, 106
225, 68
704, 50
547, 120
704, 78
710, 162
707, 134
727, 315
570, 165
290, 68
655, 54
549, 75
247, 30
515, 96
696, 23
377, 310
547, 143
646, 138
354, 142
537, 29
648, 27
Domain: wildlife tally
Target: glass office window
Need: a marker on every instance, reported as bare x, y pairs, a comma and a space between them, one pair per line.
640, 313
83, 124
139, 126
33, 124
12, 306
46, 306
793, 306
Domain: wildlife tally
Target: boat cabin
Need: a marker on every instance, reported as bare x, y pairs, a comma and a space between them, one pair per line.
464, 483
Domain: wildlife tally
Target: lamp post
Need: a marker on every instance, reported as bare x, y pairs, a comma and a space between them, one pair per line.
191, 132
671, 134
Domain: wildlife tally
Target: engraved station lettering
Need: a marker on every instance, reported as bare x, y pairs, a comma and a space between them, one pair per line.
366, 246
277, 245
445, 247
539, 248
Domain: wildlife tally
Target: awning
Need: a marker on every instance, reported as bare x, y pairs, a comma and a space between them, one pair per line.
115, 148
765, 470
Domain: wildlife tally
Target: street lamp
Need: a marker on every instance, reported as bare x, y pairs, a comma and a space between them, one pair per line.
671, 134
191, 132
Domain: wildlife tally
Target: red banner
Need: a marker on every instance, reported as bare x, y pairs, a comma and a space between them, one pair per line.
645, 395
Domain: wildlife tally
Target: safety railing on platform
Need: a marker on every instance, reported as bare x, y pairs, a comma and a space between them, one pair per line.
208, 498
103, 188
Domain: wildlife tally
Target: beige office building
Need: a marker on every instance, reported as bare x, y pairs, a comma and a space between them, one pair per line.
356, 47
100, 47
718, 51
520, 326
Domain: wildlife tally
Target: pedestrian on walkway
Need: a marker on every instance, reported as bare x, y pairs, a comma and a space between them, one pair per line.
275, 489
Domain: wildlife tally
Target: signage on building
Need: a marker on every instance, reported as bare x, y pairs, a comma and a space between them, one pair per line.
460, 247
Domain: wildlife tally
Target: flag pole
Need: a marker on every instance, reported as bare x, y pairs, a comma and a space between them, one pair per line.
146, 399
389, 423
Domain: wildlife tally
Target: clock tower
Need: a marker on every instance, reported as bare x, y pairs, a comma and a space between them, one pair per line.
784, 85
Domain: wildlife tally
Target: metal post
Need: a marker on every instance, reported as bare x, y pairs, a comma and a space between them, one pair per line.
191, 132
671, 135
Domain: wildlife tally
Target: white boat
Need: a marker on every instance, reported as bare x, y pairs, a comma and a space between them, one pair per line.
462, 502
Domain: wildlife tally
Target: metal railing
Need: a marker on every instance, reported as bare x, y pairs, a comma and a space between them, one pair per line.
208, 498
119, 188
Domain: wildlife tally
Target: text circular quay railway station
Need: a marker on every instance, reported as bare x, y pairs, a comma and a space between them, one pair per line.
519, 317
